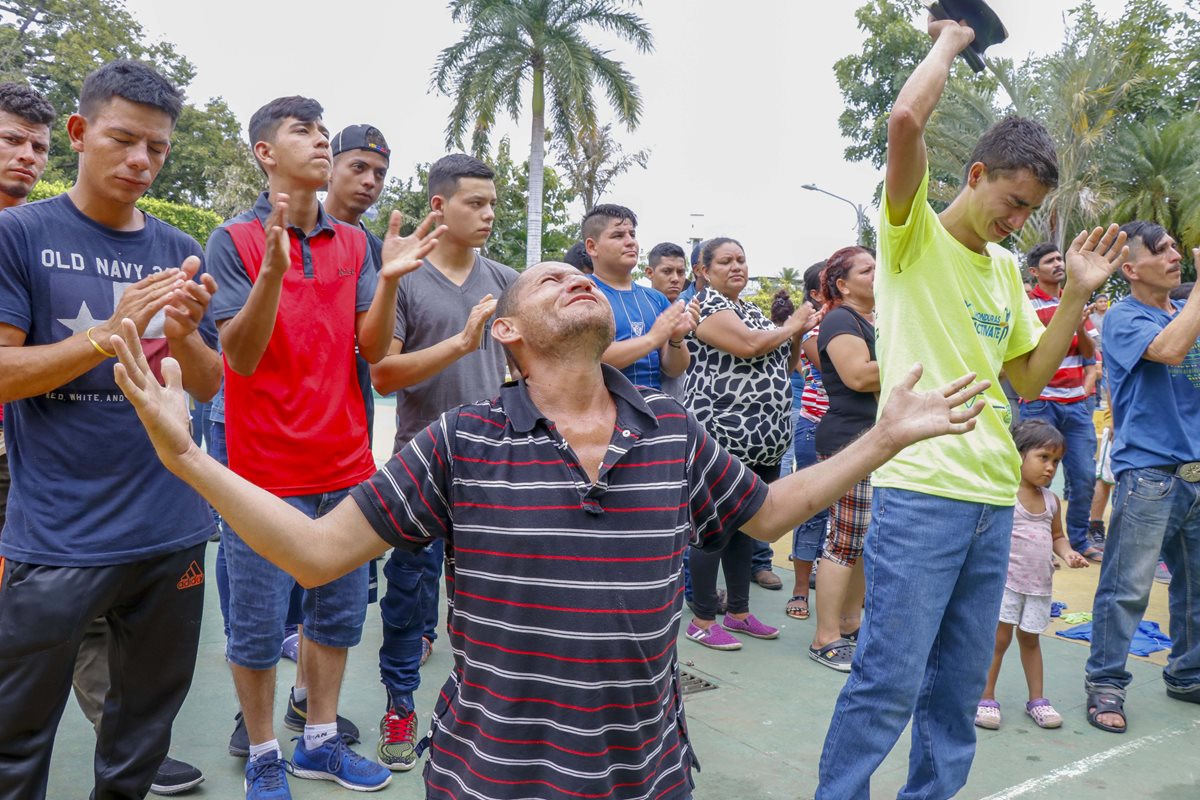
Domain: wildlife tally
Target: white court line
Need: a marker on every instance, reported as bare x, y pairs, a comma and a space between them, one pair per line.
1086, 765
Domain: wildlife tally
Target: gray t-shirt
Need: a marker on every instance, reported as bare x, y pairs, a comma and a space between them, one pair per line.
429, 309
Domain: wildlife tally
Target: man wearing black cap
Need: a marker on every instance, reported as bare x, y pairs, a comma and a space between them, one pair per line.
360, 166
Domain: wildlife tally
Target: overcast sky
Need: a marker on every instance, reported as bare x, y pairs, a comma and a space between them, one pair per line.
740, 100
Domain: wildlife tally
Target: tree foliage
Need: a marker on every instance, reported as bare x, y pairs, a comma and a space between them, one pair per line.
54, 44
540, 46
1119, 97
593, 161
507, 242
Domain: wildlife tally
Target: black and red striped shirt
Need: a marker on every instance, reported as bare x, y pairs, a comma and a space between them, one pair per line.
564, 596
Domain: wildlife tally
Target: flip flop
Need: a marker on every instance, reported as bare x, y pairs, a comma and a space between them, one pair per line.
1093, 554
797, 611
1104, 703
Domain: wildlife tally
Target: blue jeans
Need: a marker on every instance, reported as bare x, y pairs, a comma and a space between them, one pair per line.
1152, 511
932, 601
409, 609
216, 449
260, 594
788, 465
1074, 422
810, 535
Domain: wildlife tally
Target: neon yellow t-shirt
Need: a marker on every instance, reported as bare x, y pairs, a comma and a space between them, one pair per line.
955, 311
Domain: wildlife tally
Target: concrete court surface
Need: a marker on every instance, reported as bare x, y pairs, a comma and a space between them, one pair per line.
759, 734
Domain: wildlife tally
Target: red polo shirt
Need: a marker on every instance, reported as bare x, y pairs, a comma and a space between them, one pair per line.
297, 426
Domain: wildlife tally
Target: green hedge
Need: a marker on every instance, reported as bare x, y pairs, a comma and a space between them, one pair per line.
196, 222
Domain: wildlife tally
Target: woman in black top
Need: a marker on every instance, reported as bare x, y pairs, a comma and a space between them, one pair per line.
846, 346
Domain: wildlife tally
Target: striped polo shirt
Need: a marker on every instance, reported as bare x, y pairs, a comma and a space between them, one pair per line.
564, 596
1067, 384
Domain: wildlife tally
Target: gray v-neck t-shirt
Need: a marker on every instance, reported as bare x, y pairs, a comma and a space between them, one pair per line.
429, 309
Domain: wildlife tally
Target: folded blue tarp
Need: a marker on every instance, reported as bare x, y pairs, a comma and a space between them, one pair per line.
1146, 640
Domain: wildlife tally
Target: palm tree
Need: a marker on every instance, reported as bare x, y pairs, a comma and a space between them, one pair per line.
1156, 171
510, 42
594, 160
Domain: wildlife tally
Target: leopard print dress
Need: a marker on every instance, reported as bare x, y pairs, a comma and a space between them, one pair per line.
745, 403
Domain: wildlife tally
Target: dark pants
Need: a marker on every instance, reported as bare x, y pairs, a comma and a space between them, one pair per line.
153, 609
409, 611
4, 482
735, 558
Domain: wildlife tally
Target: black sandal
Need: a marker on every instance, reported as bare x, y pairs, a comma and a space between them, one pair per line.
1106, 703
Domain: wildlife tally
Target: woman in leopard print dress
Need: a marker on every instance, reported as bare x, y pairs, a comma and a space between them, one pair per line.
738, 387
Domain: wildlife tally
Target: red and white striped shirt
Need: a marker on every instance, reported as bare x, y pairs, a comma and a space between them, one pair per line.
1067, 384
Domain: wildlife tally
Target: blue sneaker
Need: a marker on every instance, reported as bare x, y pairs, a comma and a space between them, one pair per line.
266, 778
334, 761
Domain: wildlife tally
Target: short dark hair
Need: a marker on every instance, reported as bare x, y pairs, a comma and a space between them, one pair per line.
596, 220
265, 122
1183, 291
1016, 143
709, 249
812, 282
447, 171
1034, 433
665, 250
1151, 233
24, 102
1040, 251
133, 81
782, 307
577, 256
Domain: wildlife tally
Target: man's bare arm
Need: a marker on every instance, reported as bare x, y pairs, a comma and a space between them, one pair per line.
907, 159
245, 336
1091, 258
908, 417
332, 545
400, 369
1177, 339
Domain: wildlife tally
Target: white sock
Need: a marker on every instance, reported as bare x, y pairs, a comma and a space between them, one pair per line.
317, 735
300, 693
265, 749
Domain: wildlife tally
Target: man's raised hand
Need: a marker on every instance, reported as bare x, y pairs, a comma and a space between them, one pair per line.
1093, 256
189, 302
277, 257
909, 416
163, 410
473, 332
141, 301
956, 34
403, 254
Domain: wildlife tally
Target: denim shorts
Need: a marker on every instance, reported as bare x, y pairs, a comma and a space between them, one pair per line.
259, 592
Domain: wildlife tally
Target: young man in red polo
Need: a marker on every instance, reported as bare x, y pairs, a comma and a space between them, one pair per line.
298, 295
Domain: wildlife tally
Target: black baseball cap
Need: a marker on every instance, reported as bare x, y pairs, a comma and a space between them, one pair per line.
360, 137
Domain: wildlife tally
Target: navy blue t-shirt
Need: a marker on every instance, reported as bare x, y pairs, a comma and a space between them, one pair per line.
87, 487
635, 311
1156, 407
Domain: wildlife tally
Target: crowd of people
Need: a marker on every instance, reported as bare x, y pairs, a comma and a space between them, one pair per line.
580, 453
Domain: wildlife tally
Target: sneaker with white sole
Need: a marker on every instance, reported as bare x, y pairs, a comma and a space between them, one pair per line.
749, 626
713, 636
397, 748
334, 761
175, 777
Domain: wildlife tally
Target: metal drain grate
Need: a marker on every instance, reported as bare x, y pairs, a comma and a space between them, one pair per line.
691, 684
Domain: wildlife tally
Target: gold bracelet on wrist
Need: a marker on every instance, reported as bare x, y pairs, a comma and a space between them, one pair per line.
96, 345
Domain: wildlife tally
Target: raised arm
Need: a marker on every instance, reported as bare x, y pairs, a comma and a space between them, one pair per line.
333, 545
1091, 258
37, 369
400, 369
671, 325
908, 417
401, 255
1172, 345
906, 156
245, 336
725, 330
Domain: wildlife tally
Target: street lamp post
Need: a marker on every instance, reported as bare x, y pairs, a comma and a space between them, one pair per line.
860, 214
